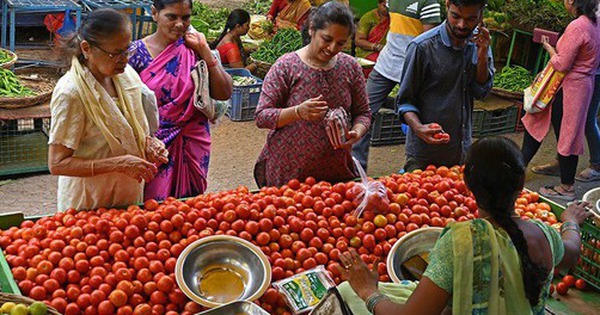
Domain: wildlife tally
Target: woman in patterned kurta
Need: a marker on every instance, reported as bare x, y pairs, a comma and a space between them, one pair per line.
165, 60
578, 54
298, 90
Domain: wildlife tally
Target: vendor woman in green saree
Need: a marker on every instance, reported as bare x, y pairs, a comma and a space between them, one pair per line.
497, 264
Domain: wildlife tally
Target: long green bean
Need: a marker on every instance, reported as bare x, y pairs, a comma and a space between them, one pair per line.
513, 78
285, 41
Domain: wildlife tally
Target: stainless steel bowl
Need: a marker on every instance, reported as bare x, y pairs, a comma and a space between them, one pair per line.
593, 197
219, 269
412, 244
235, 308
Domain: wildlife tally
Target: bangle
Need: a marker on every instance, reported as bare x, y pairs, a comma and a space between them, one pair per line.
563, 231
297, 111
213, 63
373, 300
568, 225
92, 168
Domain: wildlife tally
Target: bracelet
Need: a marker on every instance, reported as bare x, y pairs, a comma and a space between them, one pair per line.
568, 225
373, 300
563, 231
93, 169
297, 111
213, 63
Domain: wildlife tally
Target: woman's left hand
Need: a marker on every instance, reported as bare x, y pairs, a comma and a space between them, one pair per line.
197, 42
362, 280
551, 50
357, 132
156, 151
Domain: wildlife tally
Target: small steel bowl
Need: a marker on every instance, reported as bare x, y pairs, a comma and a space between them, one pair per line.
412, 244
216, 255
237, 307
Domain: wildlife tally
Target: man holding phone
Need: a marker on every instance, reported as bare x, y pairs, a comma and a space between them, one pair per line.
445, 70
408, 19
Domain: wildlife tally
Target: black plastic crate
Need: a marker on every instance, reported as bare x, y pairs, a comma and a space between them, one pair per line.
489, 123
386, 129
23, 146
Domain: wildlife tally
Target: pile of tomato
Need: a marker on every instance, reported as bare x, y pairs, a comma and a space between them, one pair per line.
111, 261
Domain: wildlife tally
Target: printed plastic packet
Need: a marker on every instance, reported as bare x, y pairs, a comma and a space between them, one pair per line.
336, 125
305, 290
370, 195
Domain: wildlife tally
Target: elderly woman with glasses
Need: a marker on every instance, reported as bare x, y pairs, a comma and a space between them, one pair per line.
102, 120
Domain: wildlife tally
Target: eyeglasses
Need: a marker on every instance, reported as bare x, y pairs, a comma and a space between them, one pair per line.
130, 51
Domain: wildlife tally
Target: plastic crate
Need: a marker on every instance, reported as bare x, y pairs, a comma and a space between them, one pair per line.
386, 129
489, 123
588, 267
244, 99
24, 146
520, 113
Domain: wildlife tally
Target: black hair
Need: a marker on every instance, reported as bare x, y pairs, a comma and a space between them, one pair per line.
467, 3
495, 173
326, 14
98, 26
236, 17
161, 4
587, 8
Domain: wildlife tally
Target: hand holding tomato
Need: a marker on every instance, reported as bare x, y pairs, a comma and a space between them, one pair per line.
432, 134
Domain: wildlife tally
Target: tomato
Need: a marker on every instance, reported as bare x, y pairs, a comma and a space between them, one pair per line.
580, 284
569, 281
562, 288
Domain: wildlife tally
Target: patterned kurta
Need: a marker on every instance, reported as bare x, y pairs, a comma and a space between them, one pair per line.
302, 149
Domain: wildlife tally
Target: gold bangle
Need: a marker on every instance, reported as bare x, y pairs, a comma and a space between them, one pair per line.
93, 169
297, 111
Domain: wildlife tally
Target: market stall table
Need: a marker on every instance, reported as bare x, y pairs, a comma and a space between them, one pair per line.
10, 8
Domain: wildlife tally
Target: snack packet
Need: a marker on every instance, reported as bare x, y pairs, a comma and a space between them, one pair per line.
305, 290
336, 125
369, 195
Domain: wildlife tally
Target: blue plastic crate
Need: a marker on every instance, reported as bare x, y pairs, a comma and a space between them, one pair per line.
244, 99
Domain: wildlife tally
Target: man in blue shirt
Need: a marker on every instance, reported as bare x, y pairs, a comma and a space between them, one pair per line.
446, 68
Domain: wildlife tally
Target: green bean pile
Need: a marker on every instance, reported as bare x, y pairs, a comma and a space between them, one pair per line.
10, 85
513, 78
5, 56
286, 40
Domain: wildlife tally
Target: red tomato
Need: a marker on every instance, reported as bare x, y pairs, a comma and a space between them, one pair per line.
562, 288
580, 284
568, 280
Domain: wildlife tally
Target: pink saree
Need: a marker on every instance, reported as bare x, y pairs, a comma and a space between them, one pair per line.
183, 129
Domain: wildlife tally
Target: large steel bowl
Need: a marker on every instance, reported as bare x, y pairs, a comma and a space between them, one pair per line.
215, 256
593, 197
412, 244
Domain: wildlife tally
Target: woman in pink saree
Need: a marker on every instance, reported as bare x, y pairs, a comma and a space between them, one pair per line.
165, 61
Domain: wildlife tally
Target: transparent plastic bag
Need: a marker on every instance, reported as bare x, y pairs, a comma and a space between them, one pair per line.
336, 125
370, 195
304, 291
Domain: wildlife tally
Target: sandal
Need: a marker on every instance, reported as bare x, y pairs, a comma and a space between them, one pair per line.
557, 192
588, 175
550, 169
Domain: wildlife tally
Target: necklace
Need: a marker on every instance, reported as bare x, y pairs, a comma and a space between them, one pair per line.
319, 64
